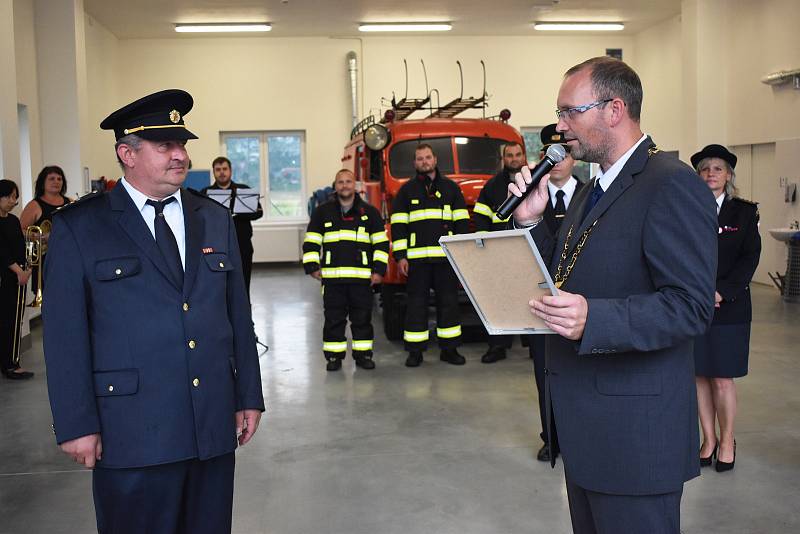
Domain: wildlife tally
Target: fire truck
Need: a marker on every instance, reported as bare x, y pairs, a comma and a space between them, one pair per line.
381, 155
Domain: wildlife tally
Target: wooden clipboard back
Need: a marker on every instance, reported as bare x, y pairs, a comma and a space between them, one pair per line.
501, 272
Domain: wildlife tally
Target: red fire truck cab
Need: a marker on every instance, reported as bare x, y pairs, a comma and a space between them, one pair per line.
381, 155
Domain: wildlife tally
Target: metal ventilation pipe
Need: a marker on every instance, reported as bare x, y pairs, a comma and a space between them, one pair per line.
352, 71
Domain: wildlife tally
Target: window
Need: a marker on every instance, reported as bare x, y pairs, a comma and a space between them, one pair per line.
533, 148
273, 163
401, 156
479, 155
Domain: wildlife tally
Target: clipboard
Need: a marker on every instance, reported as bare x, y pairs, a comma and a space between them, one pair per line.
501, 272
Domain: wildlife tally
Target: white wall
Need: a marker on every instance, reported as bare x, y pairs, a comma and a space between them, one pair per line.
658, 63
28, 87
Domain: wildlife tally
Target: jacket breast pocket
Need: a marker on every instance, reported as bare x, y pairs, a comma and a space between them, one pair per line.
218, 262
633, 384
117, 268
115, 383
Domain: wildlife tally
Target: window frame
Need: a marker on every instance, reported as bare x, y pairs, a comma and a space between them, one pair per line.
264, 185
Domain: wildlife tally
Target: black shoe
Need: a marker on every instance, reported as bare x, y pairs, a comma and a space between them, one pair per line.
452, 356
12, 374
414, 358
494, 354
365, 363
706, 461
544, 453
726, 466
334, 364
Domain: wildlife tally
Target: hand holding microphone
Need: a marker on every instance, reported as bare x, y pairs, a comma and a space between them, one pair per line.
528, 180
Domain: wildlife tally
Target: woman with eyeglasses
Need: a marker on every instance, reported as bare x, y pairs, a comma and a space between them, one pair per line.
721, 354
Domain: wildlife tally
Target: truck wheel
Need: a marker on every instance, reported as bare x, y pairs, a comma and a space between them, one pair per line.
394, 311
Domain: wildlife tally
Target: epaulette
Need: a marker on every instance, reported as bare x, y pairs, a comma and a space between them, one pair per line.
744, 200
80, 201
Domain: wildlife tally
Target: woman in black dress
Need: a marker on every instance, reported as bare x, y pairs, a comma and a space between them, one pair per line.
721, 354
48, 196
13, 277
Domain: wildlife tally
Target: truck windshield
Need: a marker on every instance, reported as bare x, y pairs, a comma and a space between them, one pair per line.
401, 156
479, 155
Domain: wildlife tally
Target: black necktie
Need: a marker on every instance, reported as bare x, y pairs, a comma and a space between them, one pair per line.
166, 242
597, 192
560, 209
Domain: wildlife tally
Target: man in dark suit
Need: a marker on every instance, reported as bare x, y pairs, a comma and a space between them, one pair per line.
635, 287
221, 167
141, 390
561, 189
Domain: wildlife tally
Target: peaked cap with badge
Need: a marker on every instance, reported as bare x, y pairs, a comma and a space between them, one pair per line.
550, 136
155, 117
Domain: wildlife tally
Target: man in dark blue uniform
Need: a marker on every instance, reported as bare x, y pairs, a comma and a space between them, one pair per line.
561, 189
141, 389
635, 288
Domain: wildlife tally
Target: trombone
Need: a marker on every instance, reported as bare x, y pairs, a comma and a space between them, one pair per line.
35, 249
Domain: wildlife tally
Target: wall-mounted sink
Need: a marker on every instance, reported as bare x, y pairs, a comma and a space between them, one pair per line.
785, 234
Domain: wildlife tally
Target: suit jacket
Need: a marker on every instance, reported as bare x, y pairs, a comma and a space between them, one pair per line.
738, 253
550, 212
243, 222
158, 370
623, 396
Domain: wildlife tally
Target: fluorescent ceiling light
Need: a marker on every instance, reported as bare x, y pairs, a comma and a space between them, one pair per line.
222, 28
579, 26
407, 27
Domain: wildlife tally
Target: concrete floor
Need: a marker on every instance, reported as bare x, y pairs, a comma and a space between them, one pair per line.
438, 449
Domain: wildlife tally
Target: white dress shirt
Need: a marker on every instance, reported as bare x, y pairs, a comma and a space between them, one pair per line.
173, 213
568, 188
720, 200
606, 178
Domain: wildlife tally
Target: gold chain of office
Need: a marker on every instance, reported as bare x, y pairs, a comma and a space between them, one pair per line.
560, 279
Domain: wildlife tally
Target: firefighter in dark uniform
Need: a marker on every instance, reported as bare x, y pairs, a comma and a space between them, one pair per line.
485, 218
427, 207
347, 249
722, 353
562, 188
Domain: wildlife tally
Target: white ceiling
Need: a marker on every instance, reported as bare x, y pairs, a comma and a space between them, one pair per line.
132, 19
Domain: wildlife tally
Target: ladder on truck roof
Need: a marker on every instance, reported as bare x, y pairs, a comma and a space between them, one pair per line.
460, 104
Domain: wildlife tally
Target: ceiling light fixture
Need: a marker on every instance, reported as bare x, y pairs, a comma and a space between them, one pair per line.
407, 27
223, 28
579, 26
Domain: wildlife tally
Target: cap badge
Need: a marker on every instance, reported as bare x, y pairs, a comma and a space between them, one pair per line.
174, 116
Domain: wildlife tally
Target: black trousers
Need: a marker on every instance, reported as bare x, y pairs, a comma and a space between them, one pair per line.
536, 347
422, 277
246, 253
342, 301
189, 497
11, 311
600, 513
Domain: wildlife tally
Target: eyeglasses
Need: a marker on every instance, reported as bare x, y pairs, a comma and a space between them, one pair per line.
569, 113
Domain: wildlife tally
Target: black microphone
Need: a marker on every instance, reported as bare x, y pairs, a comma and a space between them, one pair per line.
555, 154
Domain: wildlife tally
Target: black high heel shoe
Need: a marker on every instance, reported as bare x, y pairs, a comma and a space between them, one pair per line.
705, 462
727, 466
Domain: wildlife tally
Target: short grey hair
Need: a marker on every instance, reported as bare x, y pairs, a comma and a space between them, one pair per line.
132, 140
730, 187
